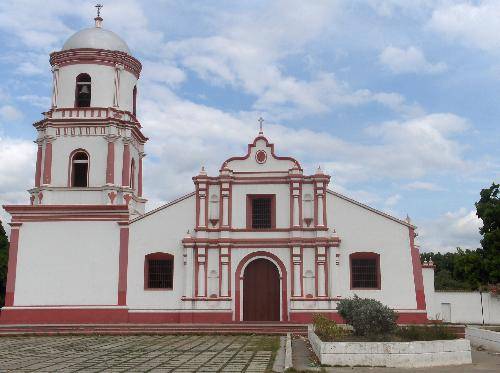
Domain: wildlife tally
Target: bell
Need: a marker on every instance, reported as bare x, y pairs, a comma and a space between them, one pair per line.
84, 89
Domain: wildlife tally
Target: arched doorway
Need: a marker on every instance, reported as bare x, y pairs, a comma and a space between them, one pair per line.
261, 291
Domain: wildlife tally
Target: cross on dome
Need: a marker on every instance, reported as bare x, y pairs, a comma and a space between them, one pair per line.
98, 19
260, 120
98, 6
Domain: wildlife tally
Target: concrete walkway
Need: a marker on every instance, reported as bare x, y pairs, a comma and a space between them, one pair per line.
173, 353
304, 360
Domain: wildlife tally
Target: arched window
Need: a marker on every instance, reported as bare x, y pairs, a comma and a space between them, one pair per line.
83, 90
134, 100
159, 271
79, 169
132, 174
365, 270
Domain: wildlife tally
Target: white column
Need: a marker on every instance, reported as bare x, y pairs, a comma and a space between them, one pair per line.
321, 262
296, 211
224, 275
116, 98
55, 85
297, 275
320, 209
202, 217
188, 271
225, 210
201, 272
321, 279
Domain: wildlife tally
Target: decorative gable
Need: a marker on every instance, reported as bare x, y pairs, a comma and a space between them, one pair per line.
260, 158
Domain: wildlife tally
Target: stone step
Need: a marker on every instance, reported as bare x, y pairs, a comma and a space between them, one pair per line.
154, 329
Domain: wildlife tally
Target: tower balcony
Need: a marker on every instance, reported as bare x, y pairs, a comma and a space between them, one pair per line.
94, 113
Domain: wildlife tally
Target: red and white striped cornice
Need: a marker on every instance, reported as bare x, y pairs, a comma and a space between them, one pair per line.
96, 56
28, 213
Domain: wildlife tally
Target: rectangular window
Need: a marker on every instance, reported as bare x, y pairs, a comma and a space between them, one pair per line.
160, 274
364, 273
261, 211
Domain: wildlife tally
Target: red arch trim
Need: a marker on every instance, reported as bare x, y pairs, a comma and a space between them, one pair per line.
284, 276
70, 166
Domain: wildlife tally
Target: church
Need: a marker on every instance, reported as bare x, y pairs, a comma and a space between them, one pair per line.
259, 241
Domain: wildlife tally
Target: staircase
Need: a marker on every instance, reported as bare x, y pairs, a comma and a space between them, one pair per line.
154, 329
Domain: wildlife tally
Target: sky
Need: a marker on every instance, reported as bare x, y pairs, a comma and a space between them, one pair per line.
397, 100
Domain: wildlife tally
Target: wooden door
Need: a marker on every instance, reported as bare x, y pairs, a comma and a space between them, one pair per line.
261, 291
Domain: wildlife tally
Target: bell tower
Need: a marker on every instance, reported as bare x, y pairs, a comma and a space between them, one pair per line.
90, 143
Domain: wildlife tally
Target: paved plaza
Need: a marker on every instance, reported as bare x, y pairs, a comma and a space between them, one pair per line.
167, 353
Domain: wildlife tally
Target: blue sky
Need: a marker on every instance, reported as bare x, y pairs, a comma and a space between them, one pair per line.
397, 100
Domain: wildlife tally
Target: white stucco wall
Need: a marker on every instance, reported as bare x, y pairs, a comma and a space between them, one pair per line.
102, 78
97, 147
463, 307
239, 203
161, 231
67, 263
62, 147
362, 230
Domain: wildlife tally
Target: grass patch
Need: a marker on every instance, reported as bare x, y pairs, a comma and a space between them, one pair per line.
410, 333
265, 343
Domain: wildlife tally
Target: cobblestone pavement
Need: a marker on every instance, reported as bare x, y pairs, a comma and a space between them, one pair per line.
168, 353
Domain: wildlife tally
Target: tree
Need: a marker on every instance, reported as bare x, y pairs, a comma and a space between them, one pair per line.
488, 210
461, 270
443, 280
4, 255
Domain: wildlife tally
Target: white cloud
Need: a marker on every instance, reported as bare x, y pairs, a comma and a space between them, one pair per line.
162, 72
409, 60
17, 159
196, 135
28, 68
474, 24
392, 200
453, 229
247, 52
9, 113
42, 102
423, 185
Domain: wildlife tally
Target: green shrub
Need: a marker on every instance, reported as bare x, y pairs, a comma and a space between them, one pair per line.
368, 317
424, 333
326, 329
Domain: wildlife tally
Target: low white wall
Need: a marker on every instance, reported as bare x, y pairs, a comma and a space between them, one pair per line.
465, 307
462, 307
485, 338
392, 354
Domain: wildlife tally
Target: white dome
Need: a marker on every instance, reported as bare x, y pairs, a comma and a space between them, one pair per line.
97, 38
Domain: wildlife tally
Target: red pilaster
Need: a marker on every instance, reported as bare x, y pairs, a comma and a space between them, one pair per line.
38, 172
123, 264
126, 165
417, 272
12, 265
47, 164
110, 166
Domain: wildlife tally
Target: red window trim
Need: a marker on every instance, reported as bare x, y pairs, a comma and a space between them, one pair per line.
157, 256
365, 255
70, 167
251, 197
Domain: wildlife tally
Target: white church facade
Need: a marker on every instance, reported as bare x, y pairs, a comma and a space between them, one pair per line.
259, 241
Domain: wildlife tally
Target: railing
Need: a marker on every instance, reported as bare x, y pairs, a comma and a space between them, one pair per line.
90, 113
